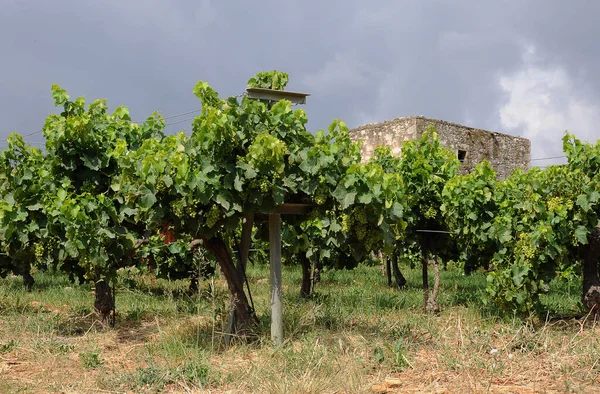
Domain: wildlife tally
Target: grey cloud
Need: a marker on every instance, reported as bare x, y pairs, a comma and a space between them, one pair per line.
361, 62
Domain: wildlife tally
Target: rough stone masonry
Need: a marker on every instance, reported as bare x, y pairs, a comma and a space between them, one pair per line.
504, 152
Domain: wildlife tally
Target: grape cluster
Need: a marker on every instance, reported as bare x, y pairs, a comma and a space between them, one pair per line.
569, 204
39, 251
178, 210
321, 195
260, 183
346, 223
361, 232
429, 212
191, 211
52, 245
264, 185
360, 214
357, 220
554, 203
213, 216
85, 261
371, 241
524, 247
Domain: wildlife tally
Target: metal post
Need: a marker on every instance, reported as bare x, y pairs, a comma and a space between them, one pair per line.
275, 263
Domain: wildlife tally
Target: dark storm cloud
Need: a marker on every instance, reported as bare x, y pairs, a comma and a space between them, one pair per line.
464, 61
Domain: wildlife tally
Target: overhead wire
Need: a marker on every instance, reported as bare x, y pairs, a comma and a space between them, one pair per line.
182, 114
164, 117
180, 121
243, 94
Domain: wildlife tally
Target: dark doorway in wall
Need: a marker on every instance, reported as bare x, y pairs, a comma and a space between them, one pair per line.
462, 154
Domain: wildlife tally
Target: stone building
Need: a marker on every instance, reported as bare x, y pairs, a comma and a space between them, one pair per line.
504, 152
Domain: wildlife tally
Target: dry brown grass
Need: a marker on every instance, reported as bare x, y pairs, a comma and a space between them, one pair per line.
327, 350
459, 359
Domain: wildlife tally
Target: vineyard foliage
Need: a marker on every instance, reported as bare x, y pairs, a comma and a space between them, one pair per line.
87, 211
109, 193
23, 224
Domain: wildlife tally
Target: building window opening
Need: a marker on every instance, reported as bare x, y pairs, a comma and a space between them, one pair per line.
462, 154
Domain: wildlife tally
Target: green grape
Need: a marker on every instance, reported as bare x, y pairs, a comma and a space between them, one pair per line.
191, 210
178, 211
361, 232
264, 186
39, 251
213, 216
430, 213
553, 203
569, 204
346, 223
321, 195
524, 248
360, 214
84, 261
370, 242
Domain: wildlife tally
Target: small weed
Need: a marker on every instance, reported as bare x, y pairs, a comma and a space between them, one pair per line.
465, 298
404, 330
82, 310
91, 359
8, 346
135, 314
400, 358
196, 374
379, 355
155, 377
152, 377
64, 348
386, 301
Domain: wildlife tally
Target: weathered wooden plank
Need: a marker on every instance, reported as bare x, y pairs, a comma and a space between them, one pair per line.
294, 209
276, 95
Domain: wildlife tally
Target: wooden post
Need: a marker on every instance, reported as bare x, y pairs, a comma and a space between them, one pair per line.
275, 263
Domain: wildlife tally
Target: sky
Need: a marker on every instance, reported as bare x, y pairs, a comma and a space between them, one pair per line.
526, 68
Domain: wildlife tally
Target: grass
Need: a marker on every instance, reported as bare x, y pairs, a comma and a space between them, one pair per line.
354, 335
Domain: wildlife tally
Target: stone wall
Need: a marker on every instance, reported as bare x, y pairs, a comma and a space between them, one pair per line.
503, 151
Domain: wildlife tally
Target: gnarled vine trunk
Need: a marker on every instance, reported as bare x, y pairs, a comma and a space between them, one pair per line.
243, 321
429, 302
28, 280
591, 282
306, 286
398, 277
105, 301
387, 264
